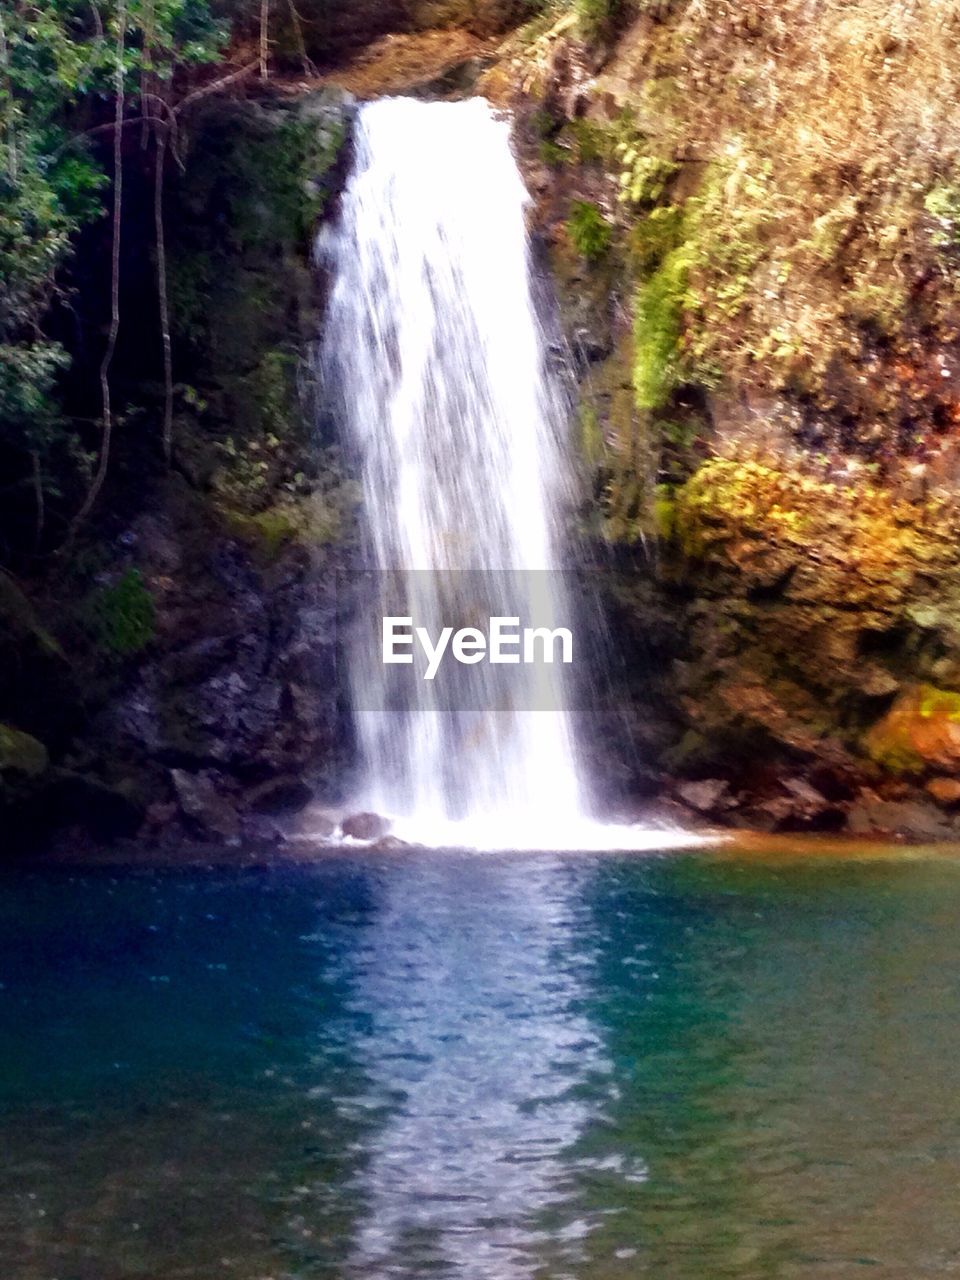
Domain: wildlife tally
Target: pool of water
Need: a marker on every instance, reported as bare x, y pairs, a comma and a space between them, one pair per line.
452, 1065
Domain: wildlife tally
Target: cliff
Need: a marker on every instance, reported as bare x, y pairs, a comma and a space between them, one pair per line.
752, 215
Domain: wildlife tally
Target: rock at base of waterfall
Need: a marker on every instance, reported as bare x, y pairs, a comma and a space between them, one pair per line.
365, 826
390, 844
712, 795
946, 791
204, 806
285, 793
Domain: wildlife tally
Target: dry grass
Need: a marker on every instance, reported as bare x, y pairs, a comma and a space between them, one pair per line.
824, 124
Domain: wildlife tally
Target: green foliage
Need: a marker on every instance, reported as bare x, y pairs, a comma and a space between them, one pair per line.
643, 177
943, 204
657, 329
664, 512
124, 615
269, 204
597, 18
593, 143
552, 153
57, 64
653, 237
589, 230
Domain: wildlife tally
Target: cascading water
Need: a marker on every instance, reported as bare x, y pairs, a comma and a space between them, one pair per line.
437, 353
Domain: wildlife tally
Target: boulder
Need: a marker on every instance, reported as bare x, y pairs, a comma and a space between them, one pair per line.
807, 800
946, 791
712, 795
204, 806
21, 753
390, 844
365, 826
871, 815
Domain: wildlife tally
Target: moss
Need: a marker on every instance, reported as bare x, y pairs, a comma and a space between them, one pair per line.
596, 17
316, 521
942, 203
593, 143
653, 237
268, 532
939, 703
243, 294
657, 328
123, 614
860, 545
664, 512
588, 230
18, 616
552, 153
643, 177
591, 436
920, 732
627, 508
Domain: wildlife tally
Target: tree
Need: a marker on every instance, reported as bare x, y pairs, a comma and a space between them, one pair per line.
60, 62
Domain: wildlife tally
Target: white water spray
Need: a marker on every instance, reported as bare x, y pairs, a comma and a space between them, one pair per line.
434, 343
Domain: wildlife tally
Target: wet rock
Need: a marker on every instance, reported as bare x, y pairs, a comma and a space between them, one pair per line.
806, 798
946, 791
21, 753
283, 794
160, 814
260, 828
317, 826
872, 815
711, 795
800, 807
205, 807
365, 826
108, 812
390, 844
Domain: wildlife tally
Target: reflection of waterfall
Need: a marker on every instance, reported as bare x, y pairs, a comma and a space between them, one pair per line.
436, 349
471, 985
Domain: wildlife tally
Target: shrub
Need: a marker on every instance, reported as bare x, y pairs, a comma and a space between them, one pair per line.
124, 614
589, 230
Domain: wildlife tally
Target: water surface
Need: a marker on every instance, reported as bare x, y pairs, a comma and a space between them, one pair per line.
460, 1065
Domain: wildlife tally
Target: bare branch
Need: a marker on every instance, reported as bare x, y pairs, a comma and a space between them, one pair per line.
264, 39
160, 156
101, 473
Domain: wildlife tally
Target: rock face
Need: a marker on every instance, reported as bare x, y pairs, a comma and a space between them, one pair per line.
181, 669
773, 517
801, 637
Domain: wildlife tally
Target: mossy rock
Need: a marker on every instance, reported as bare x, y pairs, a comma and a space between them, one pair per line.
312, 521
18, 615
21, 753
919, 734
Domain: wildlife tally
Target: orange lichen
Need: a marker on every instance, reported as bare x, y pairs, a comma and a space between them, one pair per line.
921, 731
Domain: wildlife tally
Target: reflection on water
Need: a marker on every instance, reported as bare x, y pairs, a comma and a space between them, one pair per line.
468, 1066
475, 995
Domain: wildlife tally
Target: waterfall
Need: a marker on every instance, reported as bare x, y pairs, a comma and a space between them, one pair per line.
437, 355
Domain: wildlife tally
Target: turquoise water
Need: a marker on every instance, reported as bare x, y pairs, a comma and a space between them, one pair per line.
447, 1065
